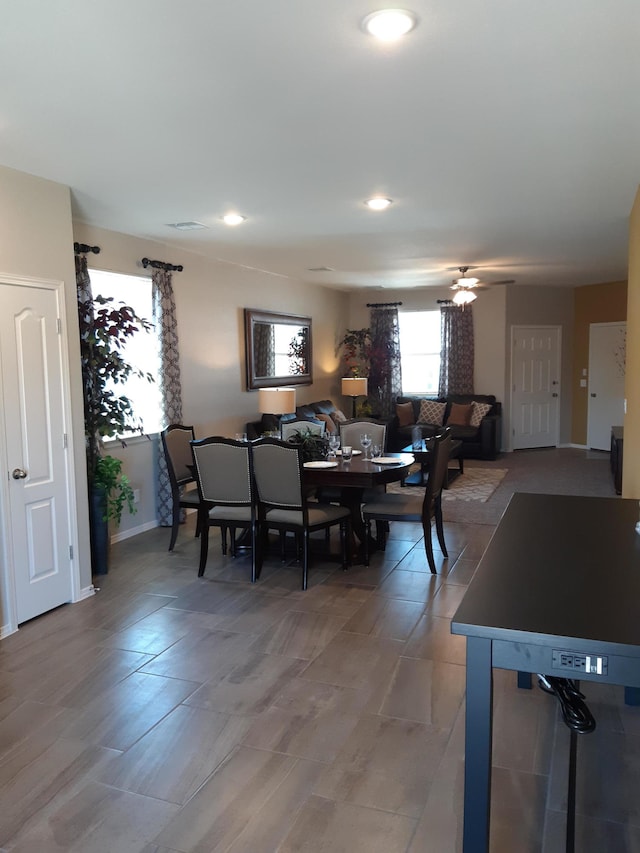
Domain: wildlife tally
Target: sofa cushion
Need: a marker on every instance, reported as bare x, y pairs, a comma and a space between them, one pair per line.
338, 416
478, 411
404, 411
431, 412
305, 412
460, 414
323, 407
328, 420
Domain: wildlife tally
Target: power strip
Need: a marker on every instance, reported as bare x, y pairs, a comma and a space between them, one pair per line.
576, 662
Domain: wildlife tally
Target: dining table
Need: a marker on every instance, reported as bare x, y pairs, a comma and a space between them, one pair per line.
352, 477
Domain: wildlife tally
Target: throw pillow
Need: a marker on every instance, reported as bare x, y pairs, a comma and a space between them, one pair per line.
460, 414
338, 416
330, 427
431, 412
404, 411
478, 411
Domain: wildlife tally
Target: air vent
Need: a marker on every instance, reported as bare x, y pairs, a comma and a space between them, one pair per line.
187, 226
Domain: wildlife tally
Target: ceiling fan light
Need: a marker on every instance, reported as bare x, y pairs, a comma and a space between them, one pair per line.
464, 297
466, 282
233, 219
389, 24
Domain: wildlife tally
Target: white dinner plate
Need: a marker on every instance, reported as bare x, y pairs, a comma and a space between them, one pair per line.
353, 452
320, 464
387, 460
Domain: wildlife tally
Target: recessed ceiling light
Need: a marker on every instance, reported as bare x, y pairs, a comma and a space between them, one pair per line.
389, 24
187, 226
233, 219
378, 203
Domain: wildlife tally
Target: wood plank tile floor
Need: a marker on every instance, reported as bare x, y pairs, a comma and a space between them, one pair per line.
172, 714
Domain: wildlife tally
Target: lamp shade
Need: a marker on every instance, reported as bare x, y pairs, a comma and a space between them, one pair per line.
276, 401
354, 386
463, 297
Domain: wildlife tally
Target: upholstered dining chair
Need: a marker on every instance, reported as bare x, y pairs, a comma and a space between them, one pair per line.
224, 474
351, 430
283, 504
394, 507
176, 443
289, 428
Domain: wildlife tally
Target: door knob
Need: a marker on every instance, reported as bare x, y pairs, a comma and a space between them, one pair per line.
594, 395
18, 474
554, 395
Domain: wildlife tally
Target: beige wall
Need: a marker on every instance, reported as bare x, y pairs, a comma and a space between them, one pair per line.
631, 469
595, 303
210, 298
37, 242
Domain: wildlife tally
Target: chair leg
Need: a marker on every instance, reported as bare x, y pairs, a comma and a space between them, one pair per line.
367, 534
344, 539
255, 571
305, 558
428, 546
204, 549
223, 539
440, 528
381, 534
175, 522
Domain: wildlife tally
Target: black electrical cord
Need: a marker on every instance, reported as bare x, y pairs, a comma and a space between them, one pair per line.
574, 710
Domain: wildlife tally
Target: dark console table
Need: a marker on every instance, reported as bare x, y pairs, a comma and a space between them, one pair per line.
617, 437
557, 593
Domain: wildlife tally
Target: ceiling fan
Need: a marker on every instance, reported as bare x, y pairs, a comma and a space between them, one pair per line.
464, 287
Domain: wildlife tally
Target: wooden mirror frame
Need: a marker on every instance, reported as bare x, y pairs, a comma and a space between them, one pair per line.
254, 317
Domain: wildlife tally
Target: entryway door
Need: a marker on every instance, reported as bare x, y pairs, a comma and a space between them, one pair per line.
535, 388
35, 495
607, 356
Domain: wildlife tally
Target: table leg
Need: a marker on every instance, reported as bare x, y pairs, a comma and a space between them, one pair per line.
477, 761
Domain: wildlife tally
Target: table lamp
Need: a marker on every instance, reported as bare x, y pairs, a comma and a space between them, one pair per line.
276, 401
354, 386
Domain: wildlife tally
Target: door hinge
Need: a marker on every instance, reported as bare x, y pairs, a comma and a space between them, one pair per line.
71, 552
59, 324
65, 442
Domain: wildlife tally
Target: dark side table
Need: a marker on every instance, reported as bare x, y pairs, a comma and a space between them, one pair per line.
617, 437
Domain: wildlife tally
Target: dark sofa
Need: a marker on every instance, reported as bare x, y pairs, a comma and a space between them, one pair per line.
481, 442
305, 412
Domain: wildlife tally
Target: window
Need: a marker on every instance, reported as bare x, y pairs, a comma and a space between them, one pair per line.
142, 349
420, 351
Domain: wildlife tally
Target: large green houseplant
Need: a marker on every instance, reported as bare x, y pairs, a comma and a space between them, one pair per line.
104, 330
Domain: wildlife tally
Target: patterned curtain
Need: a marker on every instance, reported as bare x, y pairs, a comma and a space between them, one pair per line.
385, 373
264, 349
456, 351
164, 318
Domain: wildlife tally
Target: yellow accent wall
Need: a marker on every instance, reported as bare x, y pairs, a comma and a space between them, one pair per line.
594, 303
631, 466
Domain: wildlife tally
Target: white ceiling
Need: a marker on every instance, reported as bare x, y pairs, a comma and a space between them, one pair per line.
507, 133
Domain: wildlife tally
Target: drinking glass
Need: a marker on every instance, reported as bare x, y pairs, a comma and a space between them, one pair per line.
241, 436
346, 453
334, 444
376, 451
365, 441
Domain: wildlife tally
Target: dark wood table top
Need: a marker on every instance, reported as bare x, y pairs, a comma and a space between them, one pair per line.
559, 566
360, 473
456, 444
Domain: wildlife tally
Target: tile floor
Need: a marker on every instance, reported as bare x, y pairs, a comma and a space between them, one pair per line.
171, 714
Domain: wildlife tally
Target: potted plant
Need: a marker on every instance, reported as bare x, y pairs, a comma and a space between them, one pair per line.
358, 353
104, 330
314, 446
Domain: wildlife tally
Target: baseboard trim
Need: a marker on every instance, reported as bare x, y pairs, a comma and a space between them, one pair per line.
134, 531
85, 592
6, 631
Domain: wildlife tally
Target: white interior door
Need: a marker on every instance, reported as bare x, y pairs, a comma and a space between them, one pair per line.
607, 355
535, 391
36, 518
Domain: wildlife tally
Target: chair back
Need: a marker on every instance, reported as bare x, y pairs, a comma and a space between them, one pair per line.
277, 468
288, 428
176, 442
439, 447
351, 430
223, 469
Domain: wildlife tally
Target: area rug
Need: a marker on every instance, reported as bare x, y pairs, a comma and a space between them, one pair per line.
476, 484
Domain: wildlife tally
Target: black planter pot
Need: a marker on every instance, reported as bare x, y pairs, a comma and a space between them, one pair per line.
98, 532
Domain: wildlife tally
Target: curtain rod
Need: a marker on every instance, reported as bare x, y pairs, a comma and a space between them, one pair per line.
82, 249
383, 304
161, 265
445, 302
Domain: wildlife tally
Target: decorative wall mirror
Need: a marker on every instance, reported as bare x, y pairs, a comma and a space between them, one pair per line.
278, 349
